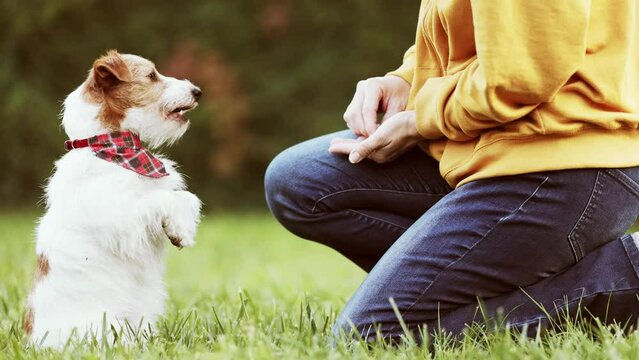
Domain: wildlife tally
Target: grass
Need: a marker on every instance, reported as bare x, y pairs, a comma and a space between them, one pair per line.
250, 290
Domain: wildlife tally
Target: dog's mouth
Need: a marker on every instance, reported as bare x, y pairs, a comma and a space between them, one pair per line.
179, 112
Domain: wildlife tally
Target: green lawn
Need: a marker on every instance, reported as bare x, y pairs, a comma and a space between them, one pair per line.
248, 289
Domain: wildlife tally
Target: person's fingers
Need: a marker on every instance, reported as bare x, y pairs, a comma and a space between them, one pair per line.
381, 158
370, 106
352, 115
392, 110
342, 147
365, 148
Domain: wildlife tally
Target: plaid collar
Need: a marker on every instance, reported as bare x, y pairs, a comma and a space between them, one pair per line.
122, 148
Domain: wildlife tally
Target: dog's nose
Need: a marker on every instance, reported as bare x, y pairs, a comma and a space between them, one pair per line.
196, 93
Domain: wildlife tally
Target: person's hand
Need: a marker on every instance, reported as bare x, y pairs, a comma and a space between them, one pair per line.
388, 94
393, 137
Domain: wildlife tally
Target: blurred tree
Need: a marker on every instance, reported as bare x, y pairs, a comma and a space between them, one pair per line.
274, 72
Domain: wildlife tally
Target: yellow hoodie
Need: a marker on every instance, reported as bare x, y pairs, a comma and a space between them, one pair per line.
504, 87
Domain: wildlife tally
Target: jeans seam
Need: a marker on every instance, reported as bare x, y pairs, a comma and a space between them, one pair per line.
324, 197
512, 213
573, 236
625, 180
376, 219
632, 252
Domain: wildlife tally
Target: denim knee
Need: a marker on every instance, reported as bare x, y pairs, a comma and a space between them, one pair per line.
277, 184
285, 192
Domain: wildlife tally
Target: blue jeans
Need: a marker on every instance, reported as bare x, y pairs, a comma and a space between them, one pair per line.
537, 245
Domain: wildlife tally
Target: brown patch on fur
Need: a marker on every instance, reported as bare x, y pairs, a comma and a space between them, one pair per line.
27, 321
119, 82
42, 270
110, 70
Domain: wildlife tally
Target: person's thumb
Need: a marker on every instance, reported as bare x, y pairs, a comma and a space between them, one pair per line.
363, 150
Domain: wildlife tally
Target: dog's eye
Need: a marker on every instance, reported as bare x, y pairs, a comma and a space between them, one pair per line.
153, 76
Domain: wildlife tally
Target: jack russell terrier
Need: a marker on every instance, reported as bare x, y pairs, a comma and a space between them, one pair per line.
111, 205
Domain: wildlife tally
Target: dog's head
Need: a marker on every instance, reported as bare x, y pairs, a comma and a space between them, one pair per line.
126, 92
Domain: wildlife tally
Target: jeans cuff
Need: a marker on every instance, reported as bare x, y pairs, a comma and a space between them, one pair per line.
631, 245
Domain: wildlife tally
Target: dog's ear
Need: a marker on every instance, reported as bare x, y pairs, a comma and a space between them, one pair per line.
110, 70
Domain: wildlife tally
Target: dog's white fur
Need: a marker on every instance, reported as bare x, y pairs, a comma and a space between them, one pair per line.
105, 227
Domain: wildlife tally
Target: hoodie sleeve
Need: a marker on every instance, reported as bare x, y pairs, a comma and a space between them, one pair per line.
526, 51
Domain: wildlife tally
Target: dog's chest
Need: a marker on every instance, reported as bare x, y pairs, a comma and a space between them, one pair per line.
80, 172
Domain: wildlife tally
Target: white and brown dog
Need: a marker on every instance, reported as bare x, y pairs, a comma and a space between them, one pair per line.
111, 206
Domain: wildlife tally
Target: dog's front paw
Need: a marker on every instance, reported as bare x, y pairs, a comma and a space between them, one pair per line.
177, 239
181, 225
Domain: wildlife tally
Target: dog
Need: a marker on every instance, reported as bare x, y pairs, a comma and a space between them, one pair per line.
111, 205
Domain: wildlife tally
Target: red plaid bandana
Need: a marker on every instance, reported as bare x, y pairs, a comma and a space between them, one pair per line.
124, 149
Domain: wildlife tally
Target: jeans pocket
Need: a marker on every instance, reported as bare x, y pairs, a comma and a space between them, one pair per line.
611, 210
629, 177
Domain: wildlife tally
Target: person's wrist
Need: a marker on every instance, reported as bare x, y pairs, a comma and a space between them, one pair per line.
410, 124
399, 90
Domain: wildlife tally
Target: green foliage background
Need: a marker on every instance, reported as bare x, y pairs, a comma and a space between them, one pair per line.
274, 72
